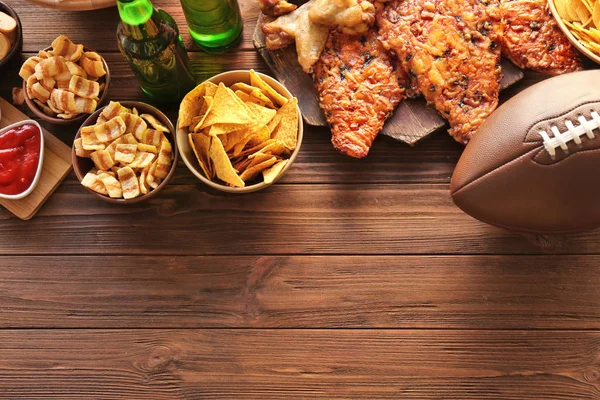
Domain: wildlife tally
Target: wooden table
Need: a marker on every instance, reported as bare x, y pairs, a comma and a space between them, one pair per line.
349, 279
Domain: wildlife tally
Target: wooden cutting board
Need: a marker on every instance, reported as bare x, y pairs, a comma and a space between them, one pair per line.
57, 165
412, 121
75, 5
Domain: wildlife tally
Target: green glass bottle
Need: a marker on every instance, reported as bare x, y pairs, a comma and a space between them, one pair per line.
150, 40
215, 25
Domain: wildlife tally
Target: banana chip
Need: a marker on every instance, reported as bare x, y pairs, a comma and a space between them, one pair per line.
582, 17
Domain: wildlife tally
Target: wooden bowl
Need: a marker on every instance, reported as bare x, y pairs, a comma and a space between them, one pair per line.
80, 118
567, 31
189, 158
17, 46
82, 166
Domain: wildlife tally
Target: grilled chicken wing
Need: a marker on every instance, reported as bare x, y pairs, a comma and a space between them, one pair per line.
533, 40
351, 16
275, 8
359, 88
310, 38
451, 51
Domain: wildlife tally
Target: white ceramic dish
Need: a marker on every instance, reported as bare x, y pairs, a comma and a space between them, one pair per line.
38, 173
187, 154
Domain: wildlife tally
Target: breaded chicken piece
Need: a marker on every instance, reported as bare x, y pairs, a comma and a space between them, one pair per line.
533, 40
451, 51
359, 87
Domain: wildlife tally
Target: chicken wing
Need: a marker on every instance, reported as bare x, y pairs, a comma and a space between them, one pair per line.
310, 38
451, 51
359, 87
275, 8
352, 16
533, 40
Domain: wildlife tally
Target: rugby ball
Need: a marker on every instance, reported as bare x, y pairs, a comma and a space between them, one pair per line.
534, 164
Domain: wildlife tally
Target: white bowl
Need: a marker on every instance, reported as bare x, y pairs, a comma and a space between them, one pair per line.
40, 162
187, 154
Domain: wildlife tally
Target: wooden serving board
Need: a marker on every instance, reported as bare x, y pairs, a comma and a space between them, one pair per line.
412, 121
75, 5
57, 165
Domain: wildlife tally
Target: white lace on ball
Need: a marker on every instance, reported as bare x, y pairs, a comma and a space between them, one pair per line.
573, 133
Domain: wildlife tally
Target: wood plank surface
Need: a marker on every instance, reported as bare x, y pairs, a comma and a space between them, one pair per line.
349, 279
283, 219
273, 364
438, 292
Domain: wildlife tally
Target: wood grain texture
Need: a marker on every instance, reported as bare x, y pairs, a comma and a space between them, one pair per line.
273, 364
438, 292
412, 121
283, 219
56, 166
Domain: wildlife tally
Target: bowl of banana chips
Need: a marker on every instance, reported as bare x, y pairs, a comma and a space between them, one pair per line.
125, 152
580, 22
65, 83
239, 131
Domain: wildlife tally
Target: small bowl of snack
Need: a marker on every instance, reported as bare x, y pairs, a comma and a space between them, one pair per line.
580, 22
11, 34
65, 83
22, 159
239, 131
125, 152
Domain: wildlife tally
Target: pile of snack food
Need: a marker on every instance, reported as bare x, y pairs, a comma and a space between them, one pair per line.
241, 131
65, 81
131, 152
366, 57
8, 34
583, 19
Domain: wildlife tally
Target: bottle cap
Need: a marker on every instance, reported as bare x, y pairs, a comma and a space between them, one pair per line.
135, 12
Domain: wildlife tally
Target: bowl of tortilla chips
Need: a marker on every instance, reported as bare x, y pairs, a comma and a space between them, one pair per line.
239, 131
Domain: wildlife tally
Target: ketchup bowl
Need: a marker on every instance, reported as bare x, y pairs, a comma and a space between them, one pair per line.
21, 159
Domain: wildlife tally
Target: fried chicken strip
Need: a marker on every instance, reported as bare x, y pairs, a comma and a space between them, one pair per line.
451, 51
533, 40
359, 88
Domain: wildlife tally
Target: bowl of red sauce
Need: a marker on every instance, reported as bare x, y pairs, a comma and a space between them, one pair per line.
21, 159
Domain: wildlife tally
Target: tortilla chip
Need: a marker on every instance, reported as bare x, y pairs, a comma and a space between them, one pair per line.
270, 174
190, 106
226, 108
276, 98
91, 181
287, 129
263, 114
125, 153
259, 136
129, 183
223, 168
251, 172
200, 144
208, 102
112, 185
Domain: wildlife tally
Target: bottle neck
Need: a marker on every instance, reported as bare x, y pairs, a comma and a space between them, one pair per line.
136, 17
135, 12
